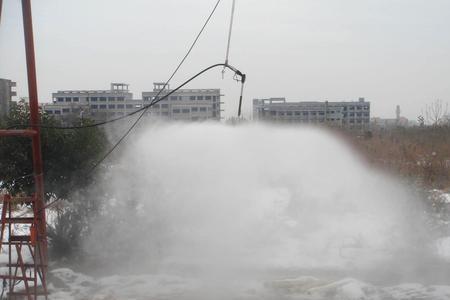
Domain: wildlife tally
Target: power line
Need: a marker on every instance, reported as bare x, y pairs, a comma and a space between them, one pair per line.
237, 73
145, 107
170, 92
156, 99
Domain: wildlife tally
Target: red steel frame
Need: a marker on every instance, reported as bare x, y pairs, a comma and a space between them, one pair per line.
34, 134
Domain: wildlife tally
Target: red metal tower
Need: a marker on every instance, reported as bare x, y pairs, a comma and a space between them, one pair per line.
35, 241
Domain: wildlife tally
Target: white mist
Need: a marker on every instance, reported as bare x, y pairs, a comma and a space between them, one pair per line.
219, 199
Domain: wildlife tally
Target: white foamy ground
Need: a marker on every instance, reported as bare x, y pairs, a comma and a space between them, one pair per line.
71, 285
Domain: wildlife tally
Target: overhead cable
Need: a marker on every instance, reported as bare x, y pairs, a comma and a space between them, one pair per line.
145, 107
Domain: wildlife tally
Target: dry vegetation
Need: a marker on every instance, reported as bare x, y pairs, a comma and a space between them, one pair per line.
420, 153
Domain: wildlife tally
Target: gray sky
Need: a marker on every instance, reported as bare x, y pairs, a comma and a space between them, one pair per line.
389, 51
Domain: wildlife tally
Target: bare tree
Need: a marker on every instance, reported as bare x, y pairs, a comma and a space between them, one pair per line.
436, 112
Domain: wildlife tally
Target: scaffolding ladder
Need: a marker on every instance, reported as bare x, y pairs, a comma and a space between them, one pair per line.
26, 267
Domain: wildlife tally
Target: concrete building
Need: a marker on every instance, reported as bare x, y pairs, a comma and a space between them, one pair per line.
6, 94
99, 105
352, 114
95, 104
185, 104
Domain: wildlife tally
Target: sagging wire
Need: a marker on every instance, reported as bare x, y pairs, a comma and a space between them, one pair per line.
144, 108
237, 74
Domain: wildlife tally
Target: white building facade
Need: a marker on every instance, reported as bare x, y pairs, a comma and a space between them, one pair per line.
100, 105
351, 114
184, 104
94, 104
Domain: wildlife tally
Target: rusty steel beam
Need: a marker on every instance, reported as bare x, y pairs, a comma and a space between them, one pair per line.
36, 139
20, 132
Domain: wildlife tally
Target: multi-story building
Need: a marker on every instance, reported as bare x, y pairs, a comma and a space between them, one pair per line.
351, 114
94, 104
184, 104
6, 94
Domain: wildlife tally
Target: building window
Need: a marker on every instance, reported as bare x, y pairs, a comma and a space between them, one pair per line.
120, 106
57, 112
146, 98
94, 106
321, 113
185, 110
93, 99
192, 98
176, 111
60, 99
289, 113
281, 113
352, 108
273, 113
111, 98
180, 98
194, 109
165, 113
112, 106
297, 113
102, 106
313, 113
173, 98
129, 106
207, 97
76, 99
164, 105
203, 109
199, 97
68, 99
102, 98
50, 112
366, 114
155, 106
305, 113
214, 98
120, 98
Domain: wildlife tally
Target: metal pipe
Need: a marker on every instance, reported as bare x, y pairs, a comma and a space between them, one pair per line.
1, 6
36, 140
19, 132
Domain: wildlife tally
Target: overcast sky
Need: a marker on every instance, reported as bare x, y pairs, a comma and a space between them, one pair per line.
388, 51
